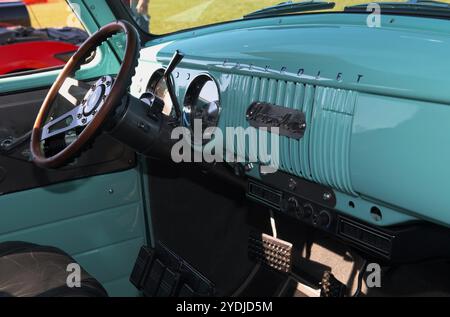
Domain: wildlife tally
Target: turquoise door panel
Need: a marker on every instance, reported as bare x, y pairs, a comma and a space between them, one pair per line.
112, 266
99, 220
400, 154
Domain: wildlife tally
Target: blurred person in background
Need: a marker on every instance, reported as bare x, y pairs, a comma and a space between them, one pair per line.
139, 10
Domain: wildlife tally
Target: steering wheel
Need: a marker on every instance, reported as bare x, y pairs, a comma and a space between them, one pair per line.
99, 102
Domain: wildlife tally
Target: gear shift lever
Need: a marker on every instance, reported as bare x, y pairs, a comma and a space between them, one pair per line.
176, 59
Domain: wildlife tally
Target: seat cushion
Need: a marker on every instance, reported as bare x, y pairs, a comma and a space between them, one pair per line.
30, 270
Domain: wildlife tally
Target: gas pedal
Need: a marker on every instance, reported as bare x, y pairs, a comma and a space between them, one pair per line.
331, 286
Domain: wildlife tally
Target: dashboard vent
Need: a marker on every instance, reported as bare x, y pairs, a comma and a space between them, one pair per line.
330, 140
244, 90
323, 154
265, 194
377, 241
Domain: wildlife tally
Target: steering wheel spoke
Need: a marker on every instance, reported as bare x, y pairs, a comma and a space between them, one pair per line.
64, 123
99, 102
71, 87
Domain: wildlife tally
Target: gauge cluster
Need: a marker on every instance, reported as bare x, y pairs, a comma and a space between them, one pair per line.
200, 102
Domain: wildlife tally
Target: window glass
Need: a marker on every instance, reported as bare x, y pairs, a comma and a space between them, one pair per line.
175, 15
37, 34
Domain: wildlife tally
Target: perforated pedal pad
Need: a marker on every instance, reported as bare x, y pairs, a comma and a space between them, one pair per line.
331, 286
270, 251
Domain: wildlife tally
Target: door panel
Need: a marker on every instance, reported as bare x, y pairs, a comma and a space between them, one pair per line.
92, 209
17, 115
99, 221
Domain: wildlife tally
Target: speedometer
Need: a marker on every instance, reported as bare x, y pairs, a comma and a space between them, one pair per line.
202, 104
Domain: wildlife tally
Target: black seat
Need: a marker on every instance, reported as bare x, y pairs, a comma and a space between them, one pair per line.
30, 270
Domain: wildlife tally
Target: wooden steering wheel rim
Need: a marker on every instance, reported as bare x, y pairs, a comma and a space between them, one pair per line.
118, 90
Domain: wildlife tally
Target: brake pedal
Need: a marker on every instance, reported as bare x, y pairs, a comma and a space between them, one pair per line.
270, 251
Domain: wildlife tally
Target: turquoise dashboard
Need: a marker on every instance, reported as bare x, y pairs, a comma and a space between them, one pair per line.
376, 102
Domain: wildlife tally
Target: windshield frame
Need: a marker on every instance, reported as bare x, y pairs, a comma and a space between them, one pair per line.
121, 11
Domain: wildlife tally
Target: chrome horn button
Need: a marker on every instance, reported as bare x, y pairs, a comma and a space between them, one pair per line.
94, 99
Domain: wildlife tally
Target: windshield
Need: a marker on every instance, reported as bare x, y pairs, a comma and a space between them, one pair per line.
167, 16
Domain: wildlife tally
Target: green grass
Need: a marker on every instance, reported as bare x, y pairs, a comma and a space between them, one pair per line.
170, 15
55, 13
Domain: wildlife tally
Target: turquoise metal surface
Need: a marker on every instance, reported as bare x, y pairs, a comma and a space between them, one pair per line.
376, 100
333, 50
103, 15
98, 220
331, 130
400, 154
360, 207
241, 91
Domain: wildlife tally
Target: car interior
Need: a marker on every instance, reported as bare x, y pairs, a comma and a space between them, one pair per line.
94, 171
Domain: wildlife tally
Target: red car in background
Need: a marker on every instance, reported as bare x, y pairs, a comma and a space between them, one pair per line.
23, 48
